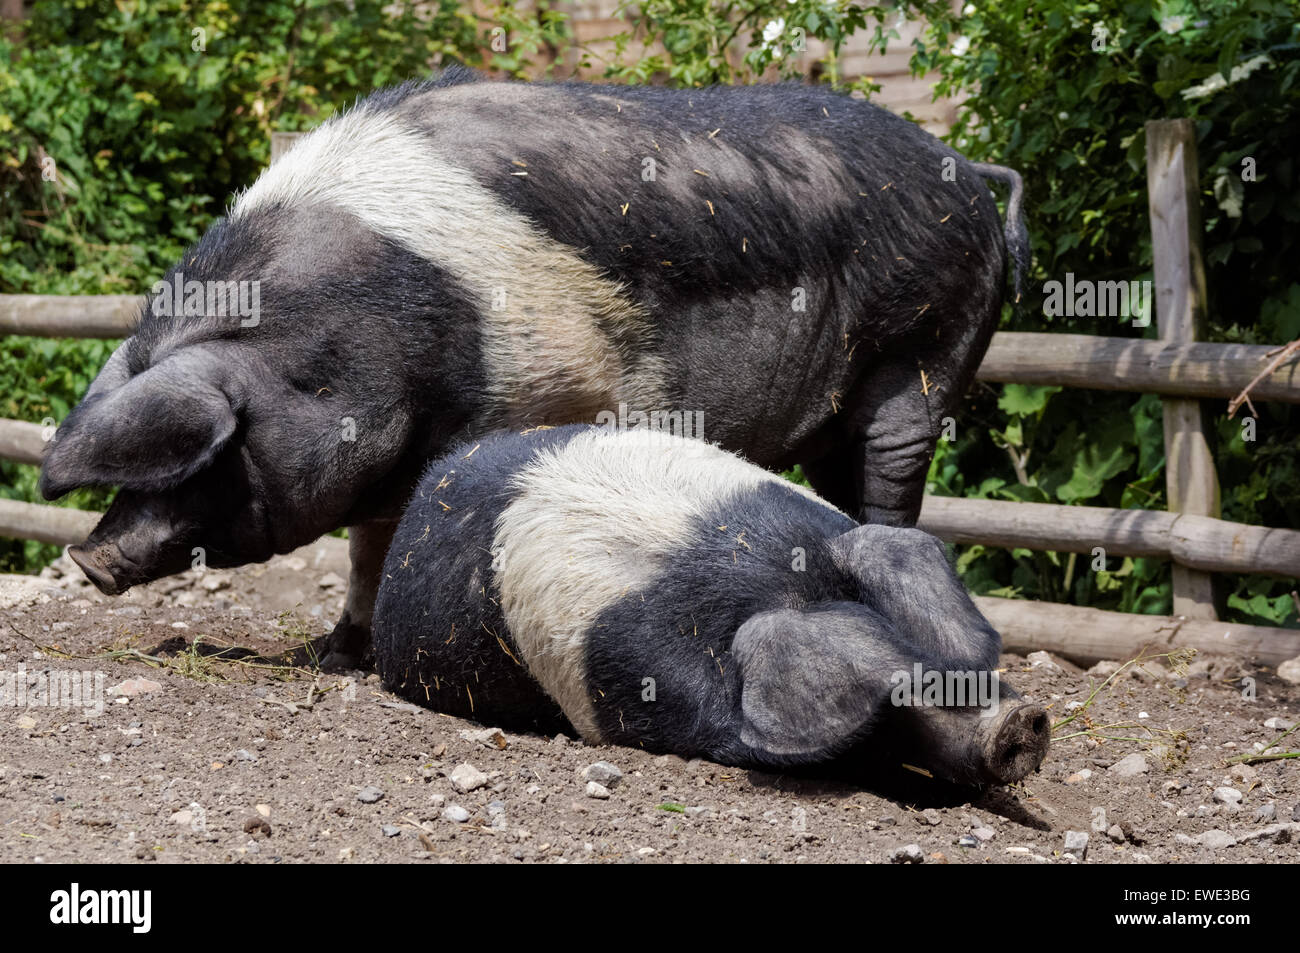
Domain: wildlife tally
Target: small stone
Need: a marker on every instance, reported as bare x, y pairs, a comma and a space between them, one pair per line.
465, 778
1279, 724
932, 817
263, 809
1266, 812
887, 821
1216, 840
967, 840
1244, 773
1130, 766
496, 808
1076, 844
26, 723
487, 737
603, 773
244, 755
908, 854
1289, 671
257, 825
646, 852
369, 795
984, 834
1099, 824
1228, 796
390, 830
456, 813
135, 686
1116, 833
1079, 777
1042, 660
597, 790
295, 563
1277, 833
184, 818
331, 580
1104, 669
345, 853
215, 583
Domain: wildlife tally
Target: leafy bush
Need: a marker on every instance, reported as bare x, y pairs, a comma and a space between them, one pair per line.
1061, 90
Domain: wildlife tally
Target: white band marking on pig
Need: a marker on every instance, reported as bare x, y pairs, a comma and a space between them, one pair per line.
593, 522
542, 305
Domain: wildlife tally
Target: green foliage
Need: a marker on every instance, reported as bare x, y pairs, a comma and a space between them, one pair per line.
1051, 95
700, 42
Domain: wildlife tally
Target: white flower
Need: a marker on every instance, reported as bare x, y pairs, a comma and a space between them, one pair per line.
1172, 25
1216, 82
961, 46
772, 32
1063, 115
968, 9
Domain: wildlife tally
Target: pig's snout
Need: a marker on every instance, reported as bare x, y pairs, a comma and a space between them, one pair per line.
102, 564
1015, 742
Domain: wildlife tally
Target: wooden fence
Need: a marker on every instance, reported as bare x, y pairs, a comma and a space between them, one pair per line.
1182, 370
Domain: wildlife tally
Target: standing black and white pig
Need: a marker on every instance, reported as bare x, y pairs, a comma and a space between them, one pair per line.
658, 592
813, 275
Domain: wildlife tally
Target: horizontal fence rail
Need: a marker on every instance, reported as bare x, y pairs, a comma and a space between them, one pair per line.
46, 524
1198, 542
1087, 635
69, 316
21, 441
1197, 369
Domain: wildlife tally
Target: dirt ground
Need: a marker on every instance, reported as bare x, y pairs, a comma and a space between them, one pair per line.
195, 758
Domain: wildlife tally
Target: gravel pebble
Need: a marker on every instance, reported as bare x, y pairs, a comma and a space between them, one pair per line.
908, 854
1129, 767
465, 778
1076, 844
603, 773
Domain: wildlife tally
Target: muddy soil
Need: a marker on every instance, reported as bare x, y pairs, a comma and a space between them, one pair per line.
196, 757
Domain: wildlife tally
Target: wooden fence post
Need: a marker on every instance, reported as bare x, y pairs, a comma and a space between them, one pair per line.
1173, 197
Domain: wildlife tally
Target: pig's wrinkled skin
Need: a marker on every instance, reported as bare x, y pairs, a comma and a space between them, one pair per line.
815, 276
656, 592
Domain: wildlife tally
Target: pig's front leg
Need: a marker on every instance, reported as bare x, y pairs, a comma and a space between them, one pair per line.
350, 641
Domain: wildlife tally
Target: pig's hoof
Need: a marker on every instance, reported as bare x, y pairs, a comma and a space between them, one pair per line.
340, 662
347, 646
1017, 743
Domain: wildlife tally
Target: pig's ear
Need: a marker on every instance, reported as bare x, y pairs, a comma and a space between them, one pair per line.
149, 433
811, 680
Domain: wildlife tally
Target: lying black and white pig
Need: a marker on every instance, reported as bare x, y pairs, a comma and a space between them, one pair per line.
813, 277
658, 592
